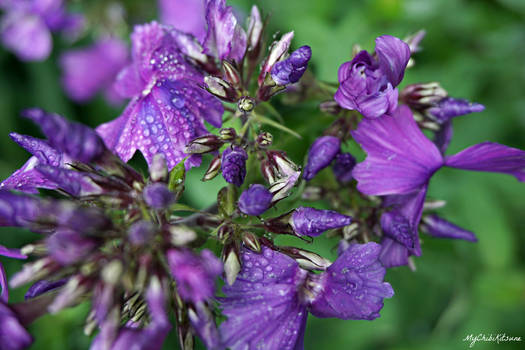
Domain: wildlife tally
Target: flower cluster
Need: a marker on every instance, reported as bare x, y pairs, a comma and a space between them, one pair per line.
200, 88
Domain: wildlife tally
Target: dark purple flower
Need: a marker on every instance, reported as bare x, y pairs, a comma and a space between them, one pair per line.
27, 26
195, 274
290, 70
74, 139
81, 82
343, 166
158, 196
168, 108
225, 38
449, 108
141, 232
42, 287
268, 304
368, 84
321, 153
185, 15
255, 200
13, 336
233, 165
441, 228
312, 222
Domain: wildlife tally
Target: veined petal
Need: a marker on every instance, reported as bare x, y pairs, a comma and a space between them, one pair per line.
393, 56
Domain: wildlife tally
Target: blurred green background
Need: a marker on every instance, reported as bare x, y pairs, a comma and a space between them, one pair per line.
476, 49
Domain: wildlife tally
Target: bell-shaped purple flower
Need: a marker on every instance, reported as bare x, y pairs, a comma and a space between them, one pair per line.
195, 274
290, 70
312, 222
368, 84
255, 200
320, 155
158, 196
343, 166
81, 82
268, 304
225, 38
233, 165
13, 336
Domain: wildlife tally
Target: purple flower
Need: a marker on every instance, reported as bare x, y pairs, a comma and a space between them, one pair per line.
81, 82
195, 274
168, 108
68, 247
320, 155
225, 38
255, 200
187, 16
343, 166
278, 50
368, 84
312, 222
13, 335
233, 165
449, 108
158, 196
27, 26
290, 70
268, 304
441, 228
10, 253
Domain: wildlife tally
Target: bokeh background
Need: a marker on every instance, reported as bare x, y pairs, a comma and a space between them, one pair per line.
476, 49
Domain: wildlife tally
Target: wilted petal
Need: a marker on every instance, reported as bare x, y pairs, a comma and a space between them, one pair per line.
400, 158
393, 56
491, 157
441, 228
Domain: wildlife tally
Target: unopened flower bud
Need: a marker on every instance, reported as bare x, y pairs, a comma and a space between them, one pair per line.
227, 134
203, 144
434, 204
312, 222
231, 74
232, 264
320, 155
264, 139
306, 259
246, 104
112, 272
33, 271
225, 232
158, 196
141, 232
220, 88
277, 50
251, 241
255, 200
268, 171
330, 107
234, 165
255, 28
420, 96
449, 107
181, 235
343, 166
290, 70
414, 40
213, 169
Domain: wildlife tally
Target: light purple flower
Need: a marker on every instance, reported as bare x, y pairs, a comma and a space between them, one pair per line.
225, 38
168, 108
268, 304
312, 222
321, 153
13, 335
290, 70
438, 227
187, 16
368, 84
79, 78
27, 26
233, 165
195, 274
255, 200
343, 166
158, 196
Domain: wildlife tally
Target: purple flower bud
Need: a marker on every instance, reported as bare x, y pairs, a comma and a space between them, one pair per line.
68, 247
204, 144
76, 140
290, 70
158, 196
13, 335
213, 169
320, 155
42, 287
277, 50
255, 200
450, 107
312, 222
195, 274
233, 165
420, 96
343, 166
141, 232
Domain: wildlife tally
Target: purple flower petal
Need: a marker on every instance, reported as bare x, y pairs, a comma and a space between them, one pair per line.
185, 15
4, 288
255, 200
321, 153
290, 70
13, 335
158, 196
400, 158
491, 157
68, 247
443, 137
233, 165
343, 166
393, 253
203, 324
353, 285
43, 286
278, 49
312, 222
449, 108
441, 228
27, 35
393, 56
